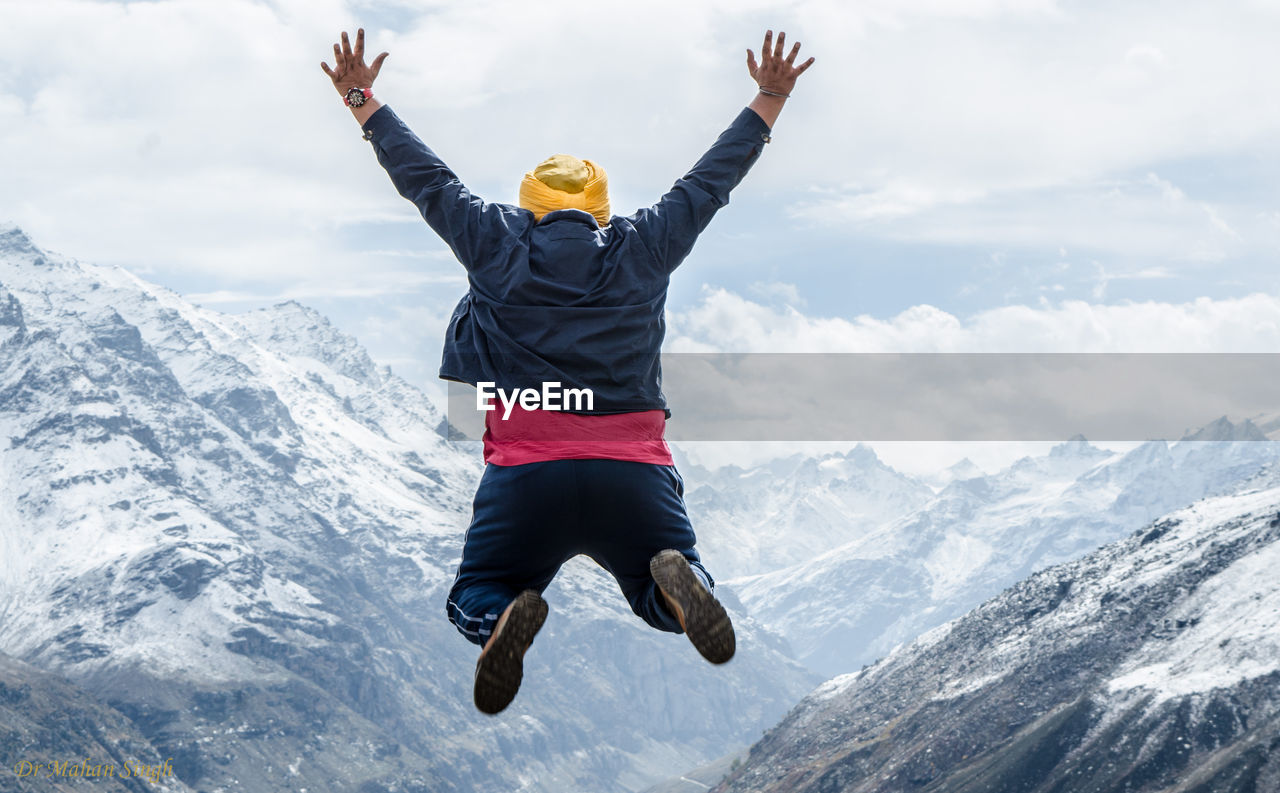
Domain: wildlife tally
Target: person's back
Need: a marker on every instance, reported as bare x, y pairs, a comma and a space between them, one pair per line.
562, 291
575, 304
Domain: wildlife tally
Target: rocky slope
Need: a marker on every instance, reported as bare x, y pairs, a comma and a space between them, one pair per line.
1152, 664
238, 532
48, 727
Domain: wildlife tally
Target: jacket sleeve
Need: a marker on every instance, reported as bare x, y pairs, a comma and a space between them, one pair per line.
476, 231
670, 227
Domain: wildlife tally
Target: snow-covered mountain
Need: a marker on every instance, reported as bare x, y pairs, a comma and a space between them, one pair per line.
789, 510
885, 586
1152, 664
957, 472
238, 532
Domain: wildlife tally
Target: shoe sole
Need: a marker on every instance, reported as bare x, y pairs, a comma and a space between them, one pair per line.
706, 623
501, 667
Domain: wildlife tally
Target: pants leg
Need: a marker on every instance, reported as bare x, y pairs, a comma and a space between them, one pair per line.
528, 520
522, 530
630, 512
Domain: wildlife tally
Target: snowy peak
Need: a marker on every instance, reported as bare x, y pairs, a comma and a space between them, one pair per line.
1066, 460
964, 469
293, 329
1224, 430
960, 471
1269, 424
817, 503
1078, 446
15, 243
863, 455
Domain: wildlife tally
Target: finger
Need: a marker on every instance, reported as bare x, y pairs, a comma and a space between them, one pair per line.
804, 66
360, 44
328, 71
751, 63
768, 46
337, 58
377, 63
346, 45
795, 50
782, 38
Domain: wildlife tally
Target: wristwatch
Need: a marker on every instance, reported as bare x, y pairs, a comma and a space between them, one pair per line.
358, 96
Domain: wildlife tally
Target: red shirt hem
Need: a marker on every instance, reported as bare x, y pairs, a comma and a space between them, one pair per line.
533, 436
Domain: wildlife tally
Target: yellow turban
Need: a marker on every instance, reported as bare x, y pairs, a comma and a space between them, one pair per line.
565, 182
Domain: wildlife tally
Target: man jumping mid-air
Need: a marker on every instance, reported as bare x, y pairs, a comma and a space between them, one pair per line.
561, 291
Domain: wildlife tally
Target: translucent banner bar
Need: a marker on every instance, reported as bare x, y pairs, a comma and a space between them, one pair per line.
936, 396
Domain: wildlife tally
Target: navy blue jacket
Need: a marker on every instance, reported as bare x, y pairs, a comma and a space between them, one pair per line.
561, 299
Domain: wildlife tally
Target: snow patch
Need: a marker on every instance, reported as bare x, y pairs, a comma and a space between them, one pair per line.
1226, 632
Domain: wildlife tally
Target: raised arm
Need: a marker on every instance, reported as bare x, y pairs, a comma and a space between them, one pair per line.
477, 232
670, 227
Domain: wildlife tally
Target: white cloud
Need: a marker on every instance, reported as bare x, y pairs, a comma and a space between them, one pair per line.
1144, 55
1011, 133
726, 322
777, 291
179, 134
1130, 218
202, 135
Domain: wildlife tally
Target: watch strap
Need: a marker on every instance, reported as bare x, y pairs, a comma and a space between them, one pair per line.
358, 96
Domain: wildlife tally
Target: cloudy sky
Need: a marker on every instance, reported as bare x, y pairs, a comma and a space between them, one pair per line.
977, 175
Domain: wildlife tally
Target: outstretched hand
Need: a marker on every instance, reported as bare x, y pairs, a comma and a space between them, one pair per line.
775, 73
350, 70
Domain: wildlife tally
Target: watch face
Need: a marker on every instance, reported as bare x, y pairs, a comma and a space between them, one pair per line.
355, 97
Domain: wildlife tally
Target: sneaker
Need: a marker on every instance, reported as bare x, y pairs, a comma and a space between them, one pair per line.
500, 667
704, 620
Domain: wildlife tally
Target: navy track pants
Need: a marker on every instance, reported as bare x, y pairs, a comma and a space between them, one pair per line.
530, 519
